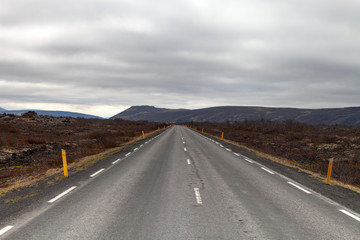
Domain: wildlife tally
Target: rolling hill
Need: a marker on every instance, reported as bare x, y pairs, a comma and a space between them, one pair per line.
329, 116
49, 113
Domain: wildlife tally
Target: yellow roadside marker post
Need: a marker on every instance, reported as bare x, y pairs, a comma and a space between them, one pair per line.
331, 162
222, 135
143, 134
202, 130
63, 153
159, 129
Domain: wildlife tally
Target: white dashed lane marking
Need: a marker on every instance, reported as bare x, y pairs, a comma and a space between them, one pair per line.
62, 194
237, 154
267, 170
350, 214
228, 149
188, 161
116, 161
298, 187
96, 173
5, 229
198, 196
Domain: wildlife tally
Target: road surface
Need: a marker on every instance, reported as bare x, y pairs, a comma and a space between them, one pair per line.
182, 185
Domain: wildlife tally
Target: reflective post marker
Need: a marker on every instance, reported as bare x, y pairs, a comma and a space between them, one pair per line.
222, 135
331, 162
202, 130
63, 153
143, 134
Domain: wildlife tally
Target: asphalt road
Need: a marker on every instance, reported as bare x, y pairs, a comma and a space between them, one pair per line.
181, 185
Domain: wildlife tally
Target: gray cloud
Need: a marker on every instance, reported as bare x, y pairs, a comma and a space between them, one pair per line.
108, 55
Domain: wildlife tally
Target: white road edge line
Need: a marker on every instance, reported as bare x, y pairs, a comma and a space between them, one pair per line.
246, 159
115, 161
221, 145
5, 229
228, 149
267, 170
185, 149
237, 154
347, 213
127, 154
96, 173
198, 196
188, 161
298, 187
135, 149
62, 194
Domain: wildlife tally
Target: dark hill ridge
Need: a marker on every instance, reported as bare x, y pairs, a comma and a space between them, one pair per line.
49, 113
329, 116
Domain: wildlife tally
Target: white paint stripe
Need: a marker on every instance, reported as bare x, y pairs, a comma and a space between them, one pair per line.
62, 194
246, 159
221, 145
141, 145
228, 149
237, 154
135, 149
267, 170
185, 149
116, 161
188, 161
127, 154
350, 214
96, 173
183, 142
146, 142
216, 143
5, 229
298, 187
198, 196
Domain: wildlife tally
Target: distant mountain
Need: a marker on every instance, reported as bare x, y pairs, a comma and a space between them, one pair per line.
330, 116
49, 113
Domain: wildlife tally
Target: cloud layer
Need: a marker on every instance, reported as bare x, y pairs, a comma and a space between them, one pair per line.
100, 57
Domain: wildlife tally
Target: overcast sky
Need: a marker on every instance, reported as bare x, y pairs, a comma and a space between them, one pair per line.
102, 56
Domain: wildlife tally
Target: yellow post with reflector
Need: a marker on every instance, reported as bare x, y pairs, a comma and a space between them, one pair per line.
202, 130
143, 134
222, 135
331, 162
63, 153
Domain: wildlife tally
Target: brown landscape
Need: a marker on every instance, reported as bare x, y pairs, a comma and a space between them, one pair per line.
307, 146
30, 144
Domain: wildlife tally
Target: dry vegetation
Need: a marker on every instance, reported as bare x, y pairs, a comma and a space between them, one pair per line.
307, 146
31, 144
